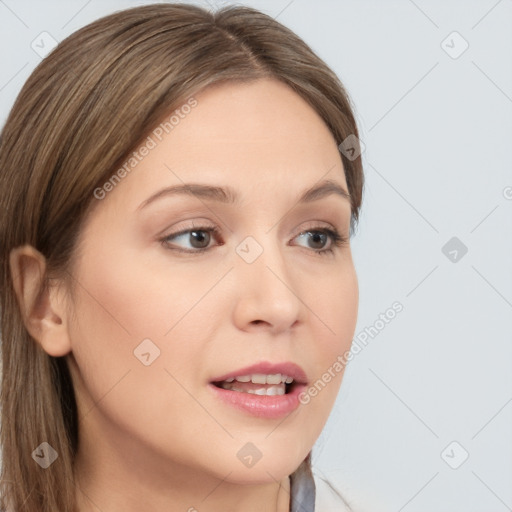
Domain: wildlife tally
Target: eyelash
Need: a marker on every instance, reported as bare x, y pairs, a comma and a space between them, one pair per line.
337, 240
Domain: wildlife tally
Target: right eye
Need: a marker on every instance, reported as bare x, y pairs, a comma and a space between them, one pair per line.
193, 240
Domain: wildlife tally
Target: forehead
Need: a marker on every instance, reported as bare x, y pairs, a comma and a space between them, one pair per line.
257, 137
265, 120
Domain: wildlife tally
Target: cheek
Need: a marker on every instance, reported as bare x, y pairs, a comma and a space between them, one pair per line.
117, 312
335, 317
131, 297
334, 310
142, 319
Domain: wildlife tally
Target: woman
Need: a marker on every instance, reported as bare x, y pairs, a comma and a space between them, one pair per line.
177, 281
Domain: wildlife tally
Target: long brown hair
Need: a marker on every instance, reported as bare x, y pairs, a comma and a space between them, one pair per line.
80, 114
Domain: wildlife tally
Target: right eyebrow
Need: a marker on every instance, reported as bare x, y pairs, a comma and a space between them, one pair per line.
211, 192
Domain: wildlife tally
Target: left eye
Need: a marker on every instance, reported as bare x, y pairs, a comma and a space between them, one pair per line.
321, 240
317, 239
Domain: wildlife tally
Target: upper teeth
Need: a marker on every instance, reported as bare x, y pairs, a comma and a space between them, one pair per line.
260, 378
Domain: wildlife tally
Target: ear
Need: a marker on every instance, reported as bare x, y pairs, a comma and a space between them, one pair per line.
42, 308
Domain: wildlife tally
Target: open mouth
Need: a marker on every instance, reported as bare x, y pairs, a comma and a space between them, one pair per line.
264, 390
259, 384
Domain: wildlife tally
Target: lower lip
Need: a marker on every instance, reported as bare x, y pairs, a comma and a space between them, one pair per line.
262, 406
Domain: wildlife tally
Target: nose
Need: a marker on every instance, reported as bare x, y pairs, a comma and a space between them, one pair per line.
266, 294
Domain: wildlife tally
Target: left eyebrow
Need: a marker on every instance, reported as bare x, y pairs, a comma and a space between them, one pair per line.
324, 189
229, 196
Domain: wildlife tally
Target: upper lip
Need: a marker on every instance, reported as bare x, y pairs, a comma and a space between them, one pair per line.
266, 368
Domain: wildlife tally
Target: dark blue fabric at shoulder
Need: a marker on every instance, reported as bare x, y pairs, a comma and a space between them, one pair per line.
302, 489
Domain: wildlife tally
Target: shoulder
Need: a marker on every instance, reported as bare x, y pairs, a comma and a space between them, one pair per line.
327, 497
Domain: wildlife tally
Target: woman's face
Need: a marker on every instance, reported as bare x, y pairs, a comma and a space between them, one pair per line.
177, 290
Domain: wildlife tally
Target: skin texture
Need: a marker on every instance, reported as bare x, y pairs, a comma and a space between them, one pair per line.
155, 437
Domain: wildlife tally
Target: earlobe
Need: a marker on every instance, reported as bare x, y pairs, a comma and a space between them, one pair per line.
42, 307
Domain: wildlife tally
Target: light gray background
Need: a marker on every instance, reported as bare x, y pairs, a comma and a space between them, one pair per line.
438, 161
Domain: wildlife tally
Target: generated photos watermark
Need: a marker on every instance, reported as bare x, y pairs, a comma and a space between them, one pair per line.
151, 142
358, 344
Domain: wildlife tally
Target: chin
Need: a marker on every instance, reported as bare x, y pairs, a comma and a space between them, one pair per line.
264, 461
262, 474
